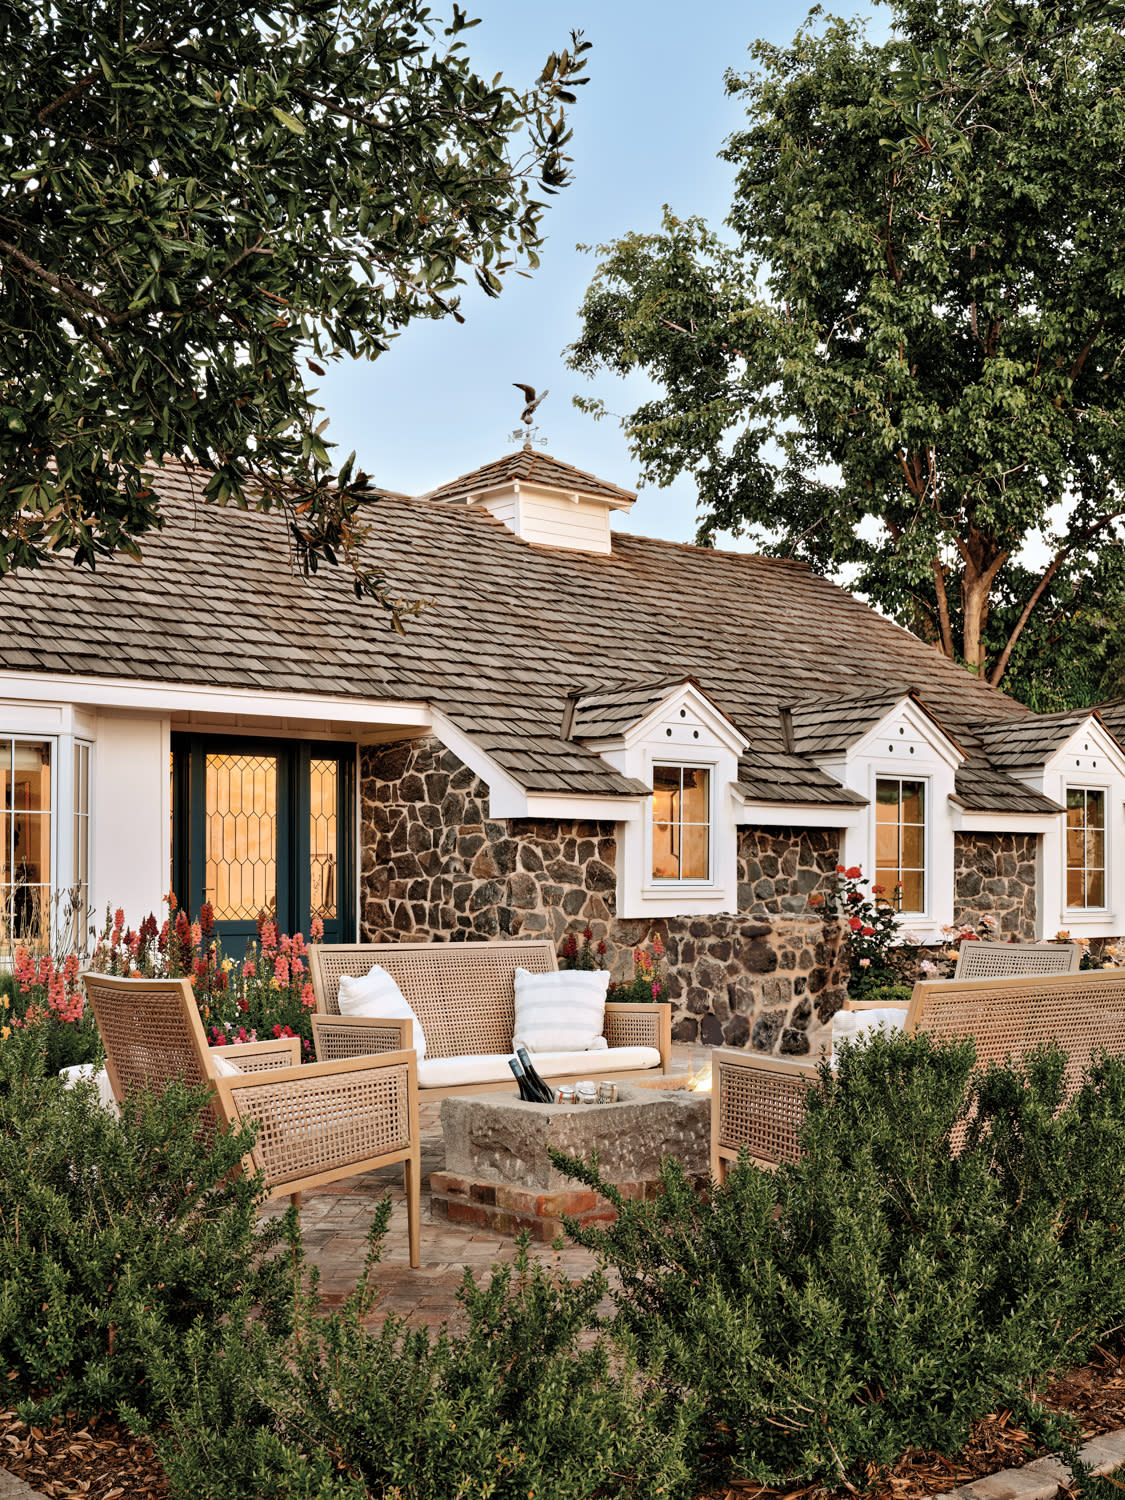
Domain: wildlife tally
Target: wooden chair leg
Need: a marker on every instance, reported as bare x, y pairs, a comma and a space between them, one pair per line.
412, 1181
295, 1199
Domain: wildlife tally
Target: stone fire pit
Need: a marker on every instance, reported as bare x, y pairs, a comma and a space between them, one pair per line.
498, 1174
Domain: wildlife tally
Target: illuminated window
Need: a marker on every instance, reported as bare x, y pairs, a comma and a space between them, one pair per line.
681, 823
1085, 847
26, 841
900, 841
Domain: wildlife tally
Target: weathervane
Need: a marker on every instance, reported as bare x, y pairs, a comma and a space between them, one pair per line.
528, 432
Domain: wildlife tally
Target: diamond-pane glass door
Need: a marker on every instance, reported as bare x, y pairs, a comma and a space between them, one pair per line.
241, 836
264, 826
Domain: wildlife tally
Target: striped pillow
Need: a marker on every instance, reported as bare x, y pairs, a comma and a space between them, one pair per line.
560, 1012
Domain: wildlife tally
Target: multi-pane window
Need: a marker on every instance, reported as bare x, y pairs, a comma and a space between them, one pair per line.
1085, 847
900, 841
25, 840
80, 892
681, 823
241, 826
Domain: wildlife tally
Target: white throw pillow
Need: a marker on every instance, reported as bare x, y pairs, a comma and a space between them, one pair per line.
560, 1012
223, 1068
377, 994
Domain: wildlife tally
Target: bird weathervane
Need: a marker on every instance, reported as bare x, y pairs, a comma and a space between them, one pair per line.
531, 401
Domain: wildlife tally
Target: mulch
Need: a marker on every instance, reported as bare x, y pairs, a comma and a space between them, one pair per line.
100, 1459
1093, 1394
97, 1460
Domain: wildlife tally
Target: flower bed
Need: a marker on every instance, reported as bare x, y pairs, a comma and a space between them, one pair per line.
265, 994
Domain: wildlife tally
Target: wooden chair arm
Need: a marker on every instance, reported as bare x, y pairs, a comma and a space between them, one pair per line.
640, 1023
757, 1102
875, 1005
337, 1037
255, 1057
313, 1121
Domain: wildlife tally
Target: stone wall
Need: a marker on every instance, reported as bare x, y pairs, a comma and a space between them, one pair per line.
995, 873
434, 865
780, 868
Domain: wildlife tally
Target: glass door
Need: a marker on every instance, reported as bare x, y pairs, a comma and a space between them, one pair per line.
264, 827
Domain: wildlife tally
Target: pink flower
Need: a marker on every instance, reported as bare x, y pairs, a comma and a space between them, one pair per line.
657, 987
927, 967
248, 968
308, 999
316, 929
119, 917
865, 963
281, 971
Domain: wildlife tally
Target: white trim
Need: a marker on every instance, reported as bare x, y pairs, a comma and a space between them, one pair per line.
116, 692
506, 798
654, 889
797, 814
975, 820
608, 809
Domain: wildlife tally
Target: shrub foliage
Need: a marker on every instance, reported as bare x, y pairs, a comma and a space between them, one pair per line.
945, 1240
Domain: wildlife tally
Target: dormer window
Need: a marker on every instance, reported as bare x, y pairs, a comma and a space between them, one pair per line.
681, 823
900, 841
1085, 847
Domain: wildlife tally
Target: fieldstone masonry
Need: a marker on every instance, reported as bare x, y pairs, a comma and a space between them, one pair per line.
436, 866
995, 873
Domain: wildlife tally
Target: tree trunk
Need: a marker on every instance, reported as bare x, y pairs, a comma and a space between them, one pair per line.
983, 559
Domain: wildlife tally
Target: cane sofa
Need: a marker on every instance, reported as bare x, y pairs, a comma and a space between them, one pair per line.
316, 1123
464, 997
758, 1102
993, 960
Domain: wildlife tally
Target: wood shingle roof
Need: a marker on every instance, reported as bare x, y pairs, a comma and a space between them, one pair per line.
510, 630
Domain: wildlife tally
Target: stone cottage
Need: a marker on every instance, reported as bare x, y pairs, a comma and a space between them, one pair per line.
584, 727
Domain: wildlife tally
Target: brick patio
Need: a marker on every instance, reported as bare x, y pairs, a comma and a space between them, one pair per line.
334, 1223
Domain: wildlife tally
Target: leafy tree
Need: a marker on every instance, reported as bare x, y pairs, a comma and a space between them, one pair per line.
200, 201
906, 355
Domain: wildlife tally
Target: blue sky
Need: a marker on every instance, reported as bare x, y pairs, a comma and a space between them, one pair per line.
647, 130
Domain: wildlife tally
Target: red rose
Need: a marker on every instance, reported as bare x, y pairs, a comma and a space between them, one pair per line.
853, 872
854, 896
868, 931
855, 924
839, 870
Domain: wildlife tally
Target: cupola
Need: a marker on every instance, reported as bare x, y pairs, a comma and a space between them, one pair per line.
543, 500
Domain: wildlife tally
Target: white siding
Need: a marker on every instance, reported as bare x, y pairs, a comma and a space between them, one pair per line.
131, 853
555, 521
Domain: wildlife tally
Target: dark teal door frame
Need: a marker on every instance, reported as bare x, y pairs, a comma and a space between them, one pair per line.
292, 813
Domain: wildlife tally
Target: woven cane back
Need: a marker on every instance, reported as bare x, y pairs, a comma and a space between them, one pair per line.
324, 1124
760, 1104
631, 1028
1083, 1014
336, 1042
146, 1026
462, 993
999, 960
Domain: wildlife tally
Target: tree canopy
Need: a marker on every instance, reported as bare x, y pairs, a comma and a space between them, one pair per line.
202, 202
903, 355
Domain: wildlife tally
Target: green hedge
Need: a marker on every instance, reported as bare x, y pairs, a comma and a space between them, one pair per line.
887, 1289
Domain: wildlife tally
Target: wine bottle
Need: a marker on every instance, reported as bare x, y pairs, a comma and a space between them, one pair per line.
545, 1093
521, 1081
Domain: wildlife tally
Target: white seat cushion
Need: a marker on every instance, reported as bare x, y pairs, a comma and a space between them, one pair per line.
87, 1073
455, 1072
562, 1011
223, 1068
376, 994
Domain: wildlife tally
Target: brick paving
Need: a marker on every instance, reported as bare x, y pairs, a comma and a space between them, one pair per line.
334, 1224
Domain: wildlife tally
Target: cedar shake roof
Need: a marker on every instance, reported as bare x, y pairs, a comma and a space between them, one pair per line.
533, 468
601, 714
512, 628
1028, 745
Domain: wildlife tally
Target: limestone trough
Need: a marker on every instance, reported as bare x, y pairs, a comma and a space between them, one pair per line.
499, 1176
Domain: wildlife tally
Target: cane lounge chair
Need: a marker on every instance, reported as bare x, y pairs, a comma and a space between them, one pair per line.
316, 1123
758, 1102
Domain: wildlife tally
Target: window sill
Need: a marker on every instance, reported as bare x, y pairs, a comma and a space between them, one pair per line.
1099, 915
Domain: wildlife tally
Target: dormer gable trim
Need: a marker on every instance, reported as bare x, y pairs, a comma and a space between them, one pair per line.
686, 699
881, 740
1092, 749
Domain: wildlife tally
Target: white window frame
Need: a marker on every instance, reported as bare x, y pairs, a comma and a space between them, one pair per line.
7, 737
657, 886
900, 775
1089, 913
